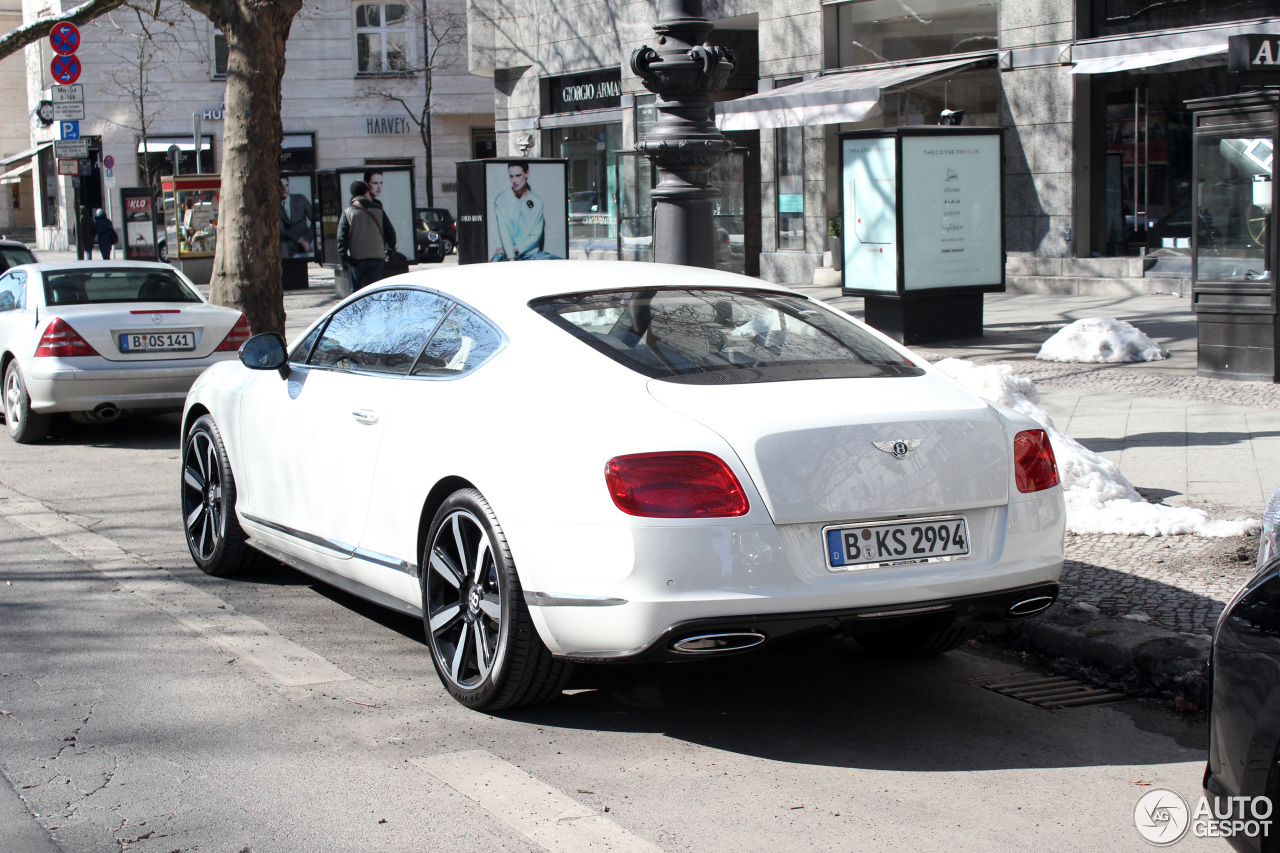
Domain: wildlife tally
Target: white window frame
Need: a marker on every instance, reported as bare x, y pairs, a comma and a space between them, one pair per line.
383, 31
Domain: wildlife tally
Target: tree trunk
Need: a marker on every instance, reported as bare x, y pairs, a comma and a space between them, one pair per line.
246, 264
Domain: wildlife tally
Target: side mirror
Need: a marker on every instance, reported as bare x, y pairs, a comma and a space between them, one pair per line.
265, 352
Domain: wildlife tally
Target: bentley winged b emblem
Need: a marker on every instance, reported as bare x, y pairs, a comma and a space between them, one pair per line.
899, 448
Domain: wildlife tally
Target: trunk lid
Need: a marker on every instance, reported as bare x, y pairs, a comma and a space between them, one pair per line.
810, 446
158, 323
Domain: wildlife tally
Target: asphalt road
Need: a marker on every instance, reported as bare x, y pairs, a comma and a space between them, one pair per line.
147, 707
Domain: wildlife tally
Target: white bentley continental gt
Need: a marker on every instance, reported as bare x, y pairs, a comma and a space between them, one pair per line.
564, 461
99, 338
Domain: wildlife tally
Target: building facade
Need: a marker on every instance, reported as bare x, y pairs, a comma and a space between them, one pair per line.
1091, 92
351, 69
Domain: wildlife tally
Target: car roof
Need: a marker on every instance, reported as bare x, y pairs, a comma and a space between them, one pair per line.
85, 266
14, 244
499, 289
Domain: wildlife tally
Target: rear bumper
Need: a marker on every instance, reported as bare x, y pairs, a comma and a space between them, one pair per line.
61, 386
780, 629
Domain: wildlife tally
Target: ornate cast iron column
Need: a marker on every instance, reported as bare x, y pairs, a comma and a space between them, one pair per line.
684, 144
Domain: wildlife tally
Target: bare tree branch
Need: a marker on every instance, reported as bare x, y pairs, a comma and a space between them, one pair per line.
18, 38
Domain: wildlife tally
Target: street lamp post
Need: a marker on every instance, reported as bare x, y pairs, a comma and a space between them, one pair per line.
684, 72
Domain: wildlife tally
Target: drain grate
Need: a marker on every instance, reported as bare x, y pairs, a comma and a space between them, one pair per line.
1054, 693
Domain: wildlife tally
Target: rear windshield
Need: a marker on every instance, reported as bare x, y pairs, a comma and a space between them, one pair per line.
722, 337
11, 256
86, 287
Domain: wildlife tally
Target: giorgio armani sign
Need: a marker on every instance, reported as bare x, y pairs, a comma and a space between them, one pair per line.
595, 90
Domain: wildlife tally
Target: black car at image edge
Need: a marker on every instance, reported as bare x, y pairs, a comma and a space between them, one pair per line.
1244, 704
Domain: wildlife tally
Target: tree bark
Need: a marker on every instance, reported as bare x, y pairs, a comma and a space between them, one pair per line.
246, 263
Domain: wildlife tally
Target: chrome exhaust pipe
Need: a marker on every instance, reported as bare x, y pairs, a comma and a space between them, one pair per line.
1030, 606
708, 644
106, 412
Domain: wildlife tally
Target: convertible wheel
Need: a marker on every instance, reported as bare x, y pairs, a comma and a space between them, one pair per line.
446, 246
214, 537
482, 640
917, 643
25, 426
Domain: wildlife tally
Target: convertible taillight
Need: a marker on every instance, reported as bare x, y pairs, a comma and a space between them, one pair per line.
237, 336
1034, 467
686, 484
62, 341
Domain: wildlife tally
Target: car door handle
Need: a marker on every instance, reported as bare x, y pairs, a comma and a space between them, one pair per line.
365, 416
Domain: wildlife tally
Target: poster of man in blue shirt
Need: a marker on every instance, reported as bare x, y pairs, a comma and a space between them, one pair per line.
520, 217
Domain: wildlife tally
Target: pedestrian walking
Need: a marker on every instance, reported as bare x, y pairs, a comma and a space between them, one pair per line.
87, 237
365, 237
105, 233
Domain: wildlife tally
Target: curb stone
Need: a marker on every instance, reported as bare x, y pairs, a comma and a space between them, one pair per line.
1137, 658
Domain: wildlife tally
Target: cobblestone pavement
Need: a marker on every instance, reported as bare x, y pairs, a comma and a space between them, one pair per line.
1178, 582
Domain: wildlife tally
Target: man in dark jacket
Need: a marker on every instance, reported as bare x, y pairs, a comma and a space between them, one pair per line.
103, 231
365, 236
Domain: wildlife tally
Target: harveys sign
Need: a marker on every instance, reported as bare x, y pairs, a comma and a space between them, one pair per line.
571, 93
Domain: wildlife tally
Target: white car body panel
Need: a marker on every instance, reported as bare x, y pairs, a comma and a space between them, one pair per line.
130, 381
603, 583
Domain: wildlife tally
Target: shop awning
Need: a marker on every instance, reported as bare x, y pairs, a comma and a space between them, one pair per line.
24, 155
13, 176
1186, 58
830, 99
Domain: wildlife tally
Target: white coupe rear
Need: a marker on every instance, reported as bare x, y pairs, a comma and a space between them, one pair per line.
577, 465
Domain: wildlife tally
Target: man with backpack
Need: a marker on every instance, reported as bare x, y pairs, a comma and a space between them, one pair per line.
365, 236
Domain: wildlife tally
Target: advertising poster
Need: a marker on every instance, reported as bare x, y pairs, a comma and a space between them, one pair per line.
297, 222
393, 189
870, 221
139, 228
526, 207
951, 215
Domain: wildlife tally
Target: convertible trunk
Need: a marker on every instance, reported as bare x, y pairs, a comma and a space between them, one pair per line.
811, 446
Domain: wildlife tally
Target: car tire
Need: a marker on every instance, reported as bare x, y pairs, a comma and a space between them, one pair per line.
214, 537
162, 252
24, 425
446, 246
918, 643
483, 643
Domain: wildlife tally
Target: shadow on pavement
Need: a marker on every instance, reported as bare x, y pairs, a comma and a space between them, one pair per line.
1174, 439
131, 432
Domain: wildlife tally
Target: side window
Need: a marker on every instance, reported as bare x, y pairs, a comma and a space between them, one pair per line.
464, 341
13, 291
381, 333
303, 350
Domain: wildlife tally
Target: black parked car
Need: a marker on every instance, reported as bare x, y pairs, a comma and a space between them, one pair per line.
1244, 706
428, 245
440, 220
13, 253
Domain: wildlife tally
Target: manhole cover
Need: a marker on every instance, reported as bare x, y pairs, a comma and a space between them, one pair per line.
1053, 693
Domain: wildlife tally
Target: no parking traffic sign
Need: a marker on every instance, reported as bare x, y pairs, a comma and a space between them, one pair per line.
65, 69
65, 38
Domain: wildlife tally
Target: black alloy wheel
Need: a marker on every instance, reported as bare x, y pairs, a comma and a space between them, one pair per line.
483, 643
217, 543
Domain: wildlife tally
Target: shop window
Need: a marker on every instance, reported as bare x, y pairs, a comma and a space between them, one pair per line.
383, 43
871, 31
219, 55
789, 156
484, 143
592, 177
1119, 17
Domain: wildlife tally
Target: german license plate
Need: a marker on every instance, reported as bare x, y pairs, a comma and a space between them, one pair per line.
157, 342
914, 541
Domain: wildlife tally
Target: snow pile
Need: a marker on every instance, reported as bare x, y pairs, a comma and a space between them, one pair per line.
1100, 340
1098, 497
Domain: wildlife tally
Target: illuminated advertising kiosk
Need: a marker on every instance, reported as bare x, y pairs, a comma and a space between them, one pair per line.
922, 228
512, 209
391, 186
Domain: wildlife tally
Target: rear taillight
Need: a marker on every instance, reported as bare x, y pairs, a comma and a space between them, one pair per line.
237, 336
1034, 467
62, 341
687, 484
